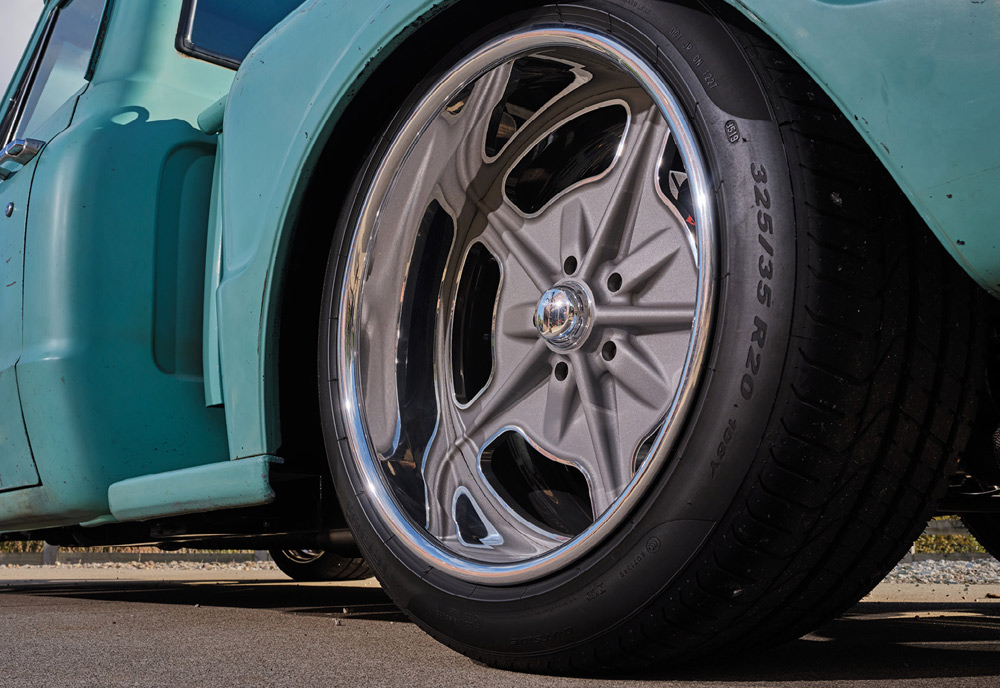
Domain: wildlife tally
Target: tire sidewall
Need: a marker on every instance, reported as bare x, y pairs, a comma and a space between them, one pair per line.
718, 452
327, 567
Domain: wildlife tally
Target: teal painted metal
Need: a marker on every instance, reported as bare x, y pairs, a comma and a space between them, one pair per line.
920, 79
935, 58
210, 120
132, 327
17, 468
225, 485
104, 520
263, 184
211, 355
110, 373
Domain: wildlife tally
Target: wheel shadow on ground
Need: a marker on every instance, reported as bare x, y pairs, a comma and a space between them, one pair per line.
874, 640
317, 599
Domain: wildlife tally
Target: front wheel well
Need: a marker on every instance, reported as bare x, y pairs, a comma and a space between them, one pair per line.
376, 96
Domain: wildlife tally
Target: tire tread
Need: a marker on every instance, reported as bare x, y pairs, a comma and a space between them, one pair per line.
853, 469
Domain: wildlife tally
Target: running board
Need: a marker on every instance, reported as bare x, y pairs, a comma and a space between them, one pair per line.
224, 485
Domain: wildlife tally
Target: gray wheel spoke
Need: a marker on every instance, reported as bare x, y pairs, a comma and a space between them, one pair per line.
449, 472
617, 221
510, 386
606, 470
516, 245
428, 165
638, 374
516, 323
651, 318
449, 155
575, 228
646, 263
631, 182
467, 157
561, 397
584, 94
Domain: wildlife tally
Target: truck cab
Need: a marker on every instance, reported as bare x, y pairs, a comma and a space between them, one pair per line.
110, 226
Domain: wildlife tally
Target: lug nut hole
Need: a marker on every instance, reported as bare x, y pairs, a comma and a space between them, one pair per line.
614, 282
561, 371
609, 351
569, 266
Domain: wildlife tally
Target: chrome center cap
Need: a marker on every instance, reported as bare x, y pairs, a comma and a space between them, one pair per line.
562, 316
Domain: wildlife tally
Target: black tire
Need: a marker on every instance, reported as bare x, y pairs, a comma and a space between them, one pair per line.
835, 394
314, 565
986, 529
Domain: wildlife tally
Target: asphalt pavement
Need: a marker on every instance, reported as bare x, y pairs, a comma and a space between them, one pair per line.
75, 626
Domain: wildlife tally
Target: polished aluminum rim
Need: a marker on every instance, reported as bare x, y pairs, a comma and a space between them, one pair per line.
302, 556
526, 304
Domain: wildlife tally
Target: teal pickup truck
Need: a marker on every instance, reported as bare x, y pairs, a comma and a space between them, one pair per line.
604, 333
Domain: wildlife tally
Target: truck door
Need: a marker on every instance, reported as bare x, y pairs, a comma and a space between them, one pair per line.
41, 106
16, 466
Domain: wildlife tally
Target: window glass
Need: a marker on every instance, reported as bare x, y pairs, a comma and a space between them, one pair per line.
226, 30
19, 18
62, 72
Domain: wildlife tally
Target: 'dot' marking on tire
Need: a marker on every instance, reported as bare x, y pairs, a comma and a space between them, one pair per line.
638, 559
596, 591
732, 131
459, 617
720, 452
543, 637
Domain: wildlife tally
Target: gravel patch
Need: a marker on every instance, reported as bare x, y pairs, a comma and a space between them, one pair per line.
937, 571
924, 571
167, 565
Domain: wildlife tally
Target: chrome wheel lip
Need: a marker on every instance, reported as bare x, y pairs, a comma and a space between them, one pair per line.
490, 56
302, 556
